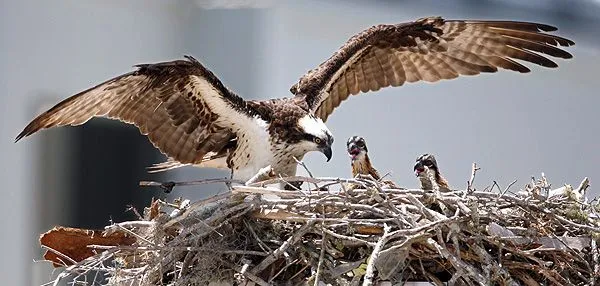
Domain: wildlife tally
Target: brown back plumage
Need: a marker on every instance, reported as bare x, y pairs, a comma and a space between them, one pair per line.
429, 49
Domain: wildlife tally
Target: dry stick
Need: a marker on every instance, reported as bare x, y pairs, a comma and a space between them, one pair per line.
141, 238
181, 248
424, 227
458, 264
197, 206
488, 260
282, 270
250, 276
187, 262
93, 265
299, 272
545, 185
564, 220
474, 170
261, 243
583, 186
391, 206
430, 214
321, 259
216, 217
168, 186
278, 252
596, 259
507, 188
348, 238
369, 274
589, 267
409, 240
301, 163
75, 267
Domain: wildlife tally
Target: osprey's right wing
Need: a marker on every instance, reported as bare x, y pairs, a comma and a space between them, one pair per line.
184, 109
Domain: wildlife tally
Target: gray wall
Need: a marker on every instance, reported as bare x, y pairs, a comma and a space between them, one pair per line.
512, 125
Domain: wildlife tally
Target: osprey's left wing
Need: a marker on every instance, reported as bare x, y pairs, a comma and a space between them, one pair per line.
429, 49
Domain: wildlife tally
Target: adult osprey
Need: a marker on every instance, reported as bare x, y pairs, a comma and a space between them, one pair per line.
190, 116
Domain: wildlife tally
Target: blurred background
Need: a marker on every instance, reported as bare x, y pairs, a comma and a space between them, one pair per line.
514, 126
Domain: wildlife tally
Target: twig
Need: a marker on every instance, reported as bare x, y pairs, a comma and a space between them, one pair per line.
459, 264
278, 252
595, 250
321, 259
508, 187
249, 275
474, 170
301, 163
582, 187
369, 274
545, 184
348, 238
168, 186
282, 270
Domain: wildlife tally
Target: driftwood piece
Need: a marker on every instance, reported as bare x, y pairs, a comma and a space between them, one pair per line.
366, 235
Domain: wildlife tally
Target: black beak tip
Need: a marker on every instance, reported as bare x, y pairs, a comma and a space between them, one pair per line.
328, 153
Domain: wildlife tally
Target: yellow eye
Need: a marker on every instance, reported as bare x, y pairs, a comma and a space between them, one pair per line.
318, 140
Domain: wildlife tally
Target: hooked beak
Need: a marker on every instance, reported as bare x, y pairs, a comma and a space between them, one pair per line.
353, 151
418, 168
327, 152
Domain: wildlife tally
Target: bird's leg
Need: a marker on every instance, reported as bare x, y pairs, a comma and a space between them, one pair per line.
262, 174
229, 184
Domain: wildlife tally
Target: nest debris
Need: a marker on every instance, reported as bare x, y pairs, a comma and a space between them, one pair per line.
351, 232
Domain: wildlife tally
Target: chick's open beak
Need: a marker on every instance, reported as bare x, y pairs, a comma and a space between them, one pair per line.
418, 168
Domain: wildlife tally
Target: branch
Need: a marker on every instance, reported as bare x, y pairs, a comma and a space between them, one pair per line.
278, 252
474, 170
369, 275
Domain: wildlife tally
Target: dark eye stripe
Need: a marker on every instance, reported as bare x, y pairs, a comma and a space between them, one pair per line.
309, 137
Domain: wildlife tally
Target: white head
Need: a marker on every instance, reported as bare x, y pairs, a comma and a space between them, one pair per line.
317, 136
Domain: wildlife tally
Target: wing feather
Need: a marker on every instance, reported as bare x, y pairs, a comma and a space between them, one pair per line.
184, 109
429, 49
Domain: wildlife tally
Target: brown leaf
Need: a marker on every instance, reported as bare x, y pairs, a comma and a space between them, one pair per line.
73, 243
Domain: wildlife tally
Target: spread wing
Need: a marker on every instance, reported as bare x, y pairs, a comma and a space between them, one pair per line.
429, 49
182, 107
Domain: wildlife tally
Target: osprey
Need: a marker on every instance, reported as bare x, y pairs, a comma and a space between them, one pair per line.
359, 156
191, 117
427, 168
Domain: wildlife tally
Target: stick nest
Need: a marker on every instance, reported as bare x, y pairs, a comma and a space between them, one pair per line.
355, 231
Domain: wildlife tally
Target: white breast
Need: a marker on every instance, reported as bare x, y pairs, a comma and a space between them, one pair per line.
253, 151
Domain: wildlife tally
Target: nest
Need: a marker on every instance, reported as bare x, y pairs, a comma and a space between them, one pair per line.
350, 232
